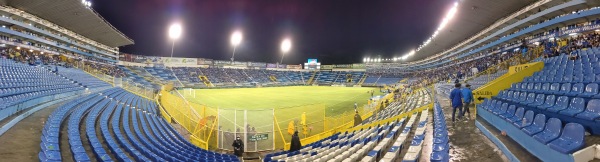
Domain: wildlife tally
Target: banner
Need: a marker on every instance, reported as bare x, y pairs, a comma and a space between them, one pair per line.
258, 137
327, 67
282, 66
299, 66
271, 65
177, 61
204, 62
257, 64
343, 66
358, 66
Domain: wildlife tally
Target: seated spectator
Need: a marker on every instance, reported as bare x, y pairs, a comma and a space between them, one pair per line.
574, 54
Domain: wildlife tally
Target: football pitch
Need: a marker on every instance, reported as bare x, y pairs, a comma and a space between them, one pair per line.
336, 99
254, 109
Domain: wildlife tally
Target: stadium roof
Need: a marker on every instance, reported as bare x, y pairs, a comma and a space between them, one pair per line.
73, 15
472, 16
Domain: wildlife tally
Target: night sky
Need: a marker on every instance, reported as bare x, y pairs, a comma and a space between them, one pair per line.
333, 31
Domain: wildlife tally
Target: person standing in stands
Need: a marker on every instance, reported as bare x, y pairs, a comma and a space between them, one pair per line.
238, 147
295, 144
467, 95
456, 100
357, 119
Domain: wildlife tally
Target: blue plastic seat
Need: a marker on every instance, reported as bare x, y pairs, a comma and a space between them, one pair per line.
539, 100
538, 125
564, 89
549, 102
526, 121
577, 106
551, 132
530, 99
570, 140
545, 88
577, 89
554, 88
518, 116
561, 103
592, 112
590, 90
509, 112
501, 110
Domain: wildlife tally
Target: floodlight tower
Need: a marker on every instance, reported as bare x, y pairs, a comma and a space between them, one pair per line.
236, 39
174, 34
286, 45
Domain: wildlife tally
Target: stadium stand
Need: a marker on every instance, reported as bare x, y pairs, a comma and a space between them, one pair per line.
441, 146
381, 80
146, 136
23, 86
382, 142
555, 107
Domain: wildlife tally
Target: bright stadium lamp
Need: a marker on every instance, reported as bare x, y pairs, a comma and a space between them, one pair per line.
174, 33
286, 45
236, 39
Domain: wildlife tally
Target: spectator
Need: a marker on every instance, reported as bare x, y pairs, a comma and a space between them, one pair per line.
456, 101
295, 144
238, 147
467, 95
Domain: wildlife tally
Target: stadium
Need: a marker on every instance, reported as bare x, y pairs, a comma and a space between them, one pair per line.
235, 80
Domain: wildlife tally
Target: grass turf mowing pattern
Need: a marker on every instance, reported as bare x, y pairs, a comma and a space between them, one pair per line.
337, 99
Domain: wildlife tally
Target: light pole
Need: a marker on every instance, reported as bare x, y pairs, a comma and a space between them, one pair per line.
236, 39
174, 34
286, 45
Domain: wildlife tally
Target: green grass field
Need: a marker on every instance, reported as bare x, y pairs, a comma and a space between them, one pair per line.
253, 107
337, 99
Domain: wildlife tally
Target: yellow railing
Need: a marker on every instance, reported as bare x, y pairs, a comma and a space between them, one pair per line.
347, 125
198, 120
515, 74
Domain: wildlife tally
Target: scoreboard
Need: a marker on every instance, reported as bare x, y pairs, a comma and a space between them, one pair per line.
312, 64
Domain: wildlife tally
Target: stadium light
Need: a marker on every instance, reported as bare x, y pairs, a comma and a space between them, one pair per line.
236, 39
365, 59
174, 33
286, 45
445, 21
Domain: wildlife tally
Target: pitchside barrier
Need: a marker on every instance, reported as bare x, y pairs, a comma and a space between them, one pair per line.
260, 129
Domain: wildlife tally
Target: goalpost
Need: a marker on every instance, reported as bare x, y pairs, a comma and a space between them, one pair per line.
189, 92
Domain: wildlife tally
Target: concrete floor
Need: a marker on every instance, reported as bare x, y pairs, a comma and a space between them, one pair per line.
22, 142
467, 143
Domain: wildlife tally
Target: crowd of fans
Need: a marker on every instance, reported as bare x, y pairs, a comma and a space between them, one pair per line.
33, 58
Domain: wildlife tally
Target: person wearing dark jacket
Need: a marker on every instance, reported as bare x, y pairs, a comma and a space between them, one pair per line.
238, 147
357, 119
295, 145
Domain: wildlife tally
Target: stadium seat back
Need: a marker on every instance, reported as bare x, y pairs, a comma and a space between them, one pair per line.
539, 99
550, 99
555, 87
545, 87
591, 88
540, 120
565, 88
528, 118
562, 101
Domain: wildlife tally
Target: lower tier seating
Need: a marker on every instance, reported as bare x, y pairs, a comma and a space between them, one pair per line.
117, 126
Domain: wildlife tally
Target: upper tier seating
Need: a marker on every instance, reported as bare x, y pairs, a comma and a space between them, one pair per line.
119, 126
23, 86
380, 80
484, 79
